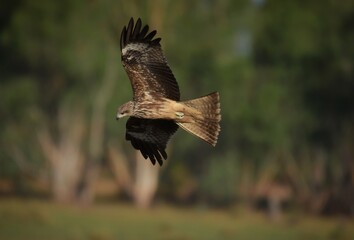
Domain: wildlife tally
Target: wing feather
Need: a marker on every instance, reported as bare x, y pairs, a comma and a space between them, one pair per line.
151, 35
136, 29
145, 63
143, 31
150, 137
128, 33
122, 37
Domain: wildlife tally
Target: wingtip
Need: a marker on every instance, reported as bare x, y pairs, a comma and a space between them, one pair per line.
137, 32
122, 38
131, 21
153, 161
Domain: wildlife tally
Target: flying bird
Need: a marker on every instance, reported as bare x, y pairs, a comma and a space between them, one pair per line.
156, 112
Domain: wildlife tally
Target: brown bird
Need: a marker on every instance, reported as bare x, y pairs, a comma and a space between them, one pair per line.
156, 110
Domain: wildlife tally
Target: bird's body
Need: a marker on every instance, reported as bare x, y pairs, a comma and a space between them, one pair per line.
156, 110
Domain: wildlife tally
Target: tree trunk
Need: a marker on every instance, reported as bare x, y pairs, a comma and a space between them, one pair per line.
119, 166
146, 181
65, 155
143, 187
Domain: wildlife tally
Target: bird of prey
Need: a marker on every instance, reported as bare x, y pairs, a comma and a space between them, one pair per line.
156, 110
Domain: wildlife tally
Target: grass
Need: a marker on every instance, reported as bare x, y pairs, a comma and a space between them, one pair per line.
21, 219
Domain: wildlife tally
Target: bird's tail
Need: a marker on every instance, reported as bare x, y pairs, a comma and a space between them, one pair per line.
206, 125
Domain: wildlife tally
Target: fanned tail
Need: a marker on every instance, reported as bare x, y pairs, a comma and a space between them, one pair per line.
207, 124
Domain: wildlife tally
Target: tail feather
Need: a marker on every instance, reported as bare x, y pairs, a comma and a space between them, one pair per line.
207, 125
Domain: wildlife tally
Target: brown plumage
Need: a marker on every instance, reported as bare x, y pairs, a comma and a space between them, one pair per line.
156, 110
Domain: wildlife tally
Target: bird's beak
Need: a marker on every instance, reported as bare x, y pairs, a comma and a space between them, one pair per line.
119, 116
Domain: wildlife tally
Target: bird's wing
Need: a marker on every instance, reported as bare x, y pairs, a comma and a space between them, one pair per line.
145, 63
150, 136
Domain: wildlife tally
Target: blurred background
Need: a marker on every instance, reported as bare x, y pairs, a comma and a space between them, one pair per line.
284, 164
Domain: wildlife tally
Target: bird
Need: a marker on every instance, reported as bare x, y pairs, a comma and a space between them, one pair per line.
156, 111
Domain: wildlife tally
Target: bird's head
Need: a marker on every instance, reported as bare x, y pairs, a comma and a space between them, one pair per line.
125, 110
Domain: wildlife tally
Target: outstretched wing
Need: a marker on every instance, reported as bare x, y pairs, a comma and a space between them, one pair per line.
145, 63
150, 136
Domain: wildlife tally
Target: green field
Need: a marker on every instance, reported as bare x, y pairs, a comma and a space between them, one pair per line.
20, 219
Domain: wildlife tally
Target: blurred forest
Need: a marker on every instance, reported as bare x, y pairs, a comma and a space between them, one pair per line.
284, 70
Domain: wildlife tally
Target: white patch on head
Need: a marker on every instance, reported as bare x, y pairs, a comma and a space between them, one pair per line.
140, 47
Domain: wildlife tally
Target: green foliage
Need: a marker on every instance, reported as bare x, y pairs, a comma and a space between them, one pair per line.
284, 70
